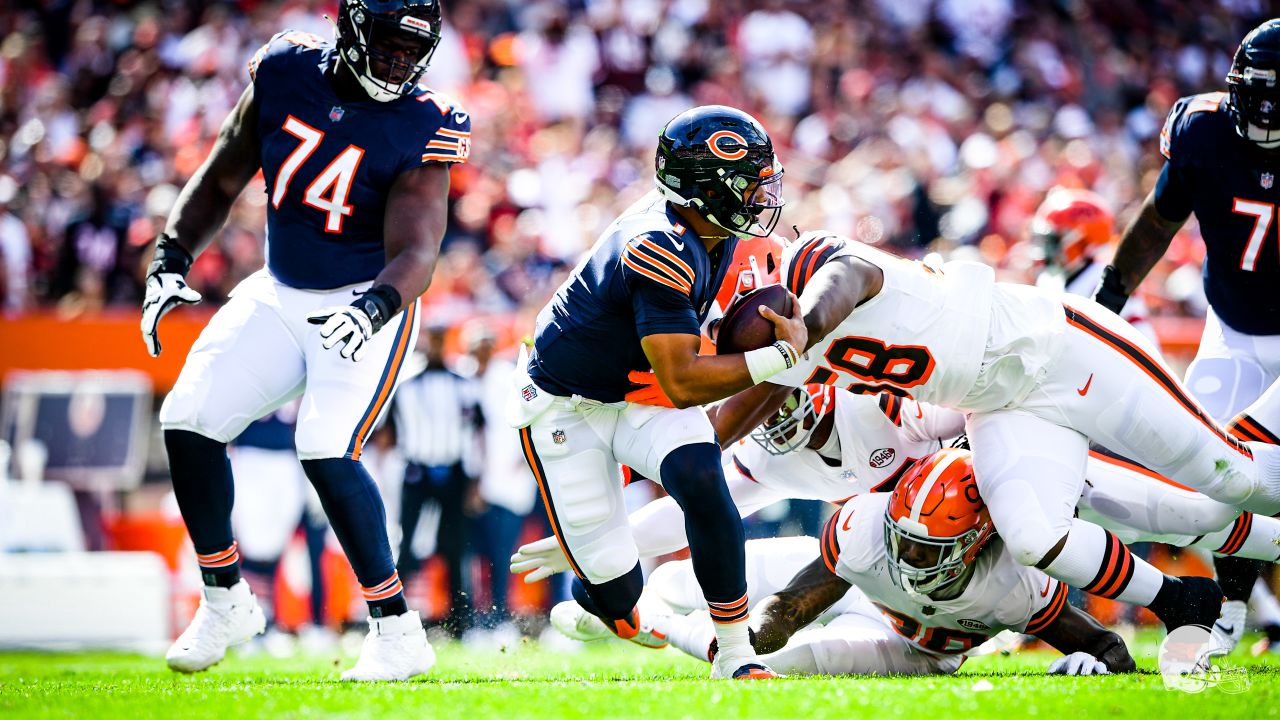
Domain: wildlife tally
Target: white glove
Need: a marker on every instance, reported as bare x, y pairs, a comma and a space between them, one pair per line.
347, 324
1078, 663
164, 292
544, 557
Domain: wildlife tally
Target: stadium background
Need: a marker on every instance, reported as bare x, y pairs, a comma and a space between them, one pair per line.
925, 125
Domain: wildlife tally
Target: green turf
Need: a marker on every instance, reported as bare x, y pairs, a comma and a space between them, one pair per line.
606, 681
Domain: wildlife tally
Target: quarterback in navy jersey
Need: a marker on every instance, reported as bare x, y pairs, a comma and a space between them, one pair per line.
635, 304
356, 155
1222, 158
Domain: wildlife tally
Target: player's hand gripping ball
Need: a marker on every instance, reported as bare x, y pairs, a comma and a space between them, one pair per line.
746, 327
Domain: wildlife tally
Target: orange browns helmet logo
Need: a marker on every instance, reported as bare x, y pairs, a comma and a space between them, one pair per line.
728, 145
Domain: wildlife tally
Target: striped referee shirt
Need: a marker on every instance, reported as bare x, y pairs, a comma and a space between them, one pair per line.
437, 417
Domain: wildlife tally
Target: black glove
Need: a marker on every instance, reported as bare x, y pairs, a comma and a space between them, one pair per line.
1111, 293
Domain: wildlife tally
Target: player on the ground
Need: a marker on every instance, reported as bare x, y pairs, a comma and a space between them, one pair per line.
917, 577
1222, 154
1041, 377
829, 444
638, 302
356, 156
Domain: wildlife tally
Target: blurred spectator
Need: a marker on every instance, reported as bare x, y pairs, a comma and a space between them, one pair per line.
436, 418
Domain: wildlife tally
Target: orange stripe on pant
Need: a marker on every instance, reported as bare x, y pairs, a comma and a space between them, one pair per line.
1155, 371
1239, 532
539, 476
389, 376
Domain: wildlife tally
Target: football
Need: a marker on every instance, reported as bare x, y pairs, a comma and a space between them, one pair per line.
743, 328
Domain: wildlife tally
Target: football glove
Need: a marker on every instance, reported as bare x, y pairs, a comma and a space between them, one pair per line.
166, 288
544, 557
354, 325
1110, 293
648, 392
1078, 663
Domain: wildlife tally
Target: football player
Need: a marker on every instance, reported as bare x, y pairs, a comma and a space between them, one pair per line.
1041, 376
830, 444
637, 302
908, 582
1222, 153
356, 156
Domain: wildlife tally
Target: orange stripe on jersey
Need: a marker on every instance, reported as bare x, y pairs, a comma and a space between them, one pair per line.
1155, 371
679, 264
443, 157
442, 145
656, 262
830, 544
1050, 612
1105, 456
654, 276
449, 132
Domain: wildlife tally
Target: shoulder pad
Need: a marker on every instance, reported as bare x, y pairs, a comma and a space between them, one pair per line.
283, 43
662, 258
1189, 128
802, 258
448, 127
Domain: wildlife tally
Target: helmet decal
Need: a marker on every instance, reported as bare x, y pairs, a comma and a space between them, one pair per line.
735, 149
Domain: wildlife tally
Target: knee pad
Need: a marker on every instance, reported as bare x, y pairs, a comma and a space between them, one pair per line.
608, 555
316, 440
1139, 425
1225, 385
187, 407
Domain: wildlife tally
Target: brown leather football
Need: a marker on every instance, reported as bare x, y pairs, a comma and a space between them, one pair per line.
743, 328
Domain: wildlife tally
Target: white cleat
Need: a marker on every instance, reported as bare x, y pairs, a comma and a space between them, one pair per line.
744, 666
396, 648
576, 623
226, 617
1229, 628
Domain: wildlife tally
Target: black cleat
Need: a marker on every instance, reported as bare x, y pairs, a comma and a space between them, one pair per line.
1189, 600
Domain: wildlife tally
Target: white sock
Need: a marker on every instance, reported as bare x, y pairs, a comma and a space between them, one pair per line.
1094, 561
1250, 536
1266, 611
734, 638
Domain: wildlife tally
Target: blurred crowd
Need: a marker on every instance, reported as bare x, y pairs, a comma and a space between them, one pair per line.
921, 124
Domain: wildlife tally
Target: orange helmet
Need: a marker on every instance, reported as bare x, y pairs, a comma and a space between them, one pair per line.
936, 523
1071, 225
792, 426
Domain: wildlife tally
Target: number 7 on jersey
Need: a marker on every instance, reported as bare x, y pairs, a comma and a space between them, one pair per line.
329, 190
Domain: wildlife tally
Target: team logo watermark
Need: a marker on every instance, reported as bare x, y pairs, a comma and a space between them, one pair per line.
1188, 663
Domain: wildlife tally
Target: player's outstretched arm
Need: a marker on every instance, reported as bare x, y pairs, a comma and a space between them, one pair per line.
414, 224
1145, 241
781, 615
1076, 634
198, 214
691, 379
834, 291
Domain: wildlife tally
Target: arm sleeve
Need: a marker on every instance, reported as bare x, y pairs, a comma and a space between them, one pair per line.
661, 286
660, 309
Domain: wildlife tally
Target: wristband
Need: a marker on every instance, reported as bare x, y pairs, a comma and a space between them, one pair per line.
379, 302
768, 361
170, 257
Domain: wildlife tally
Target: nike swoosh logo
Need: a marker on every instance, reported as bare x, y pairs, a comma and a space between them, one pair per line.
1045, 591
1227, 629
1085, 390
679, 245
848, 519
919, 412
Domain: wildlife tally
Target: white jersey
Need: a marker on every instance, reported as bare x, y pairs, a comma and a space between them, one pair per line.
1001, 595
880, 437
951, 336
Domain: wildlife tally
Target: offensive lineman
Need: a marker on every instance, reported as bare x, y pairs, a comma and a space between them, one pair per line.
639, 301
1222, 155
356, 159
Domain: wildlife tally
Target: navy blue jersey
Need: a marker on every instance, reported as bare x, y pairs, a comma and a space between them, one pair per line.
647, 275
329, 165
1230, 185
272, 432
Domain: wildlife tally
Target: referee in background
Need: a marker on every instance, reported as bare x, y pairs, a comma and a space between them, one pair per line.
437, 419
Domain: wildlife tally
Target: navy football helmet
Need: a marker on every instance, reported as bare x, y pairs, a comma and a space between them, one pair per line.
719, 161
1252, 84
388, 44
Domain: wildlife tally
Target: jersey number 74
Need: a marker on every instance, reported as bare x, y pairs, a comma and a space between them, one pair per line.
329, 190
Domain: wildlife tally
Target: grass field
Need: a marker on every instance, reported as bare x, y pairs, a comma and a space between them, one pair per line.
603, 681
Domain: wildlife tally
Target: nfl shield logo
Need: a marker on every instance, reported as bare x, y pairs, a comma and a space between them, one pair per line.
557, 437
335, 114
1267, 181
529, 392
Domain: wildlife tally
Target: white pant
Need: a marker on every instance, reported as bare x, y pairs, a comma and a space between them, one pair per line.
1108, 384
258, 352
575, 447
272, 493
851, 638
1231, 369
